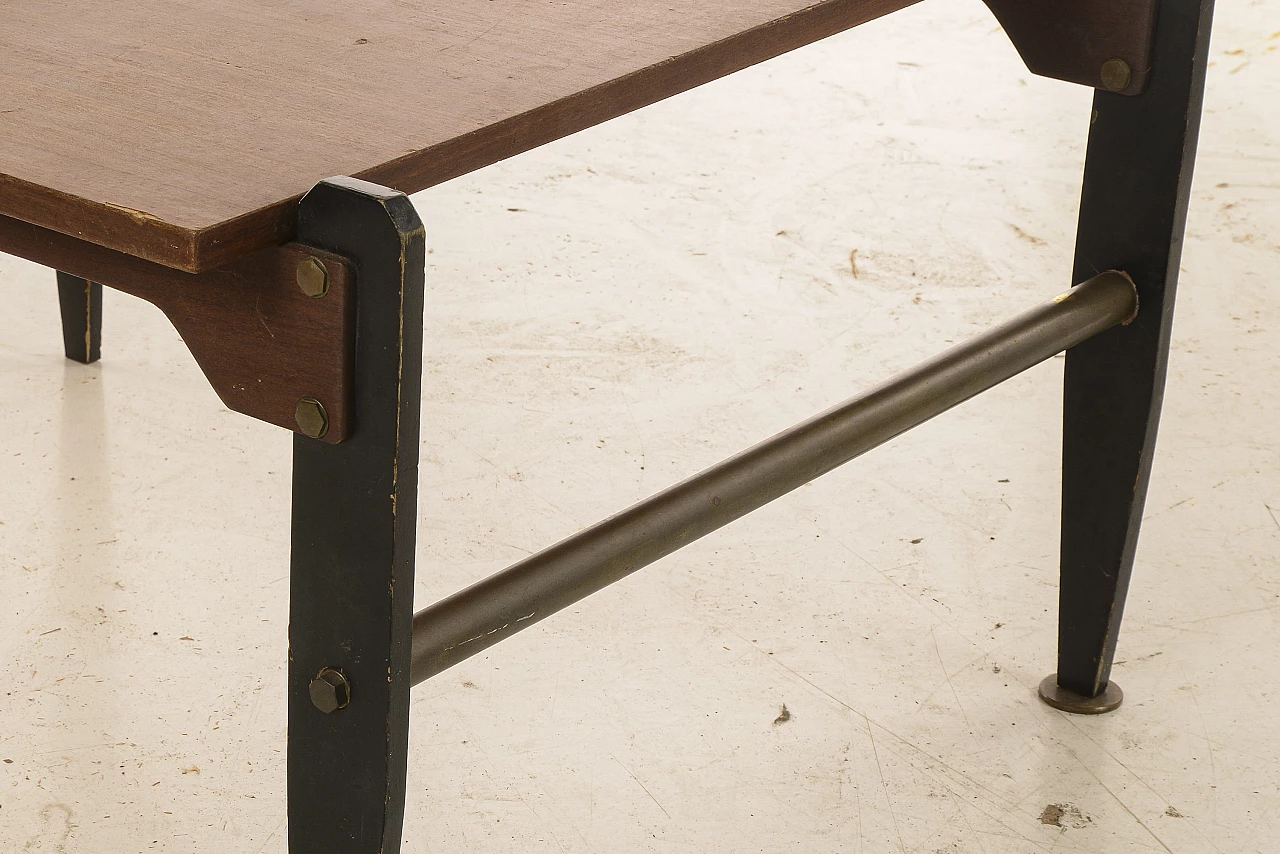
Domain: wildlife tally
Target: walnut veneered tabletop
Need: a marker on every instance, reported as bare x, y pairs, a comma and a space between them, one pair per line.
185, 132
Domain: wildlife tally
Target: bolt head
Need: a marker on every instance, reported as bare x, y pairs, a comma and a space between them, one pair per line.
1116, 75
313, 277
330, 691
312, 419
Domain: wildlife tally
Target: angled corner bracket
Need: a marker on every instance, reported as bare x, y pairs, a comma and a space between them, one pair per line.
1106, 44
273, 332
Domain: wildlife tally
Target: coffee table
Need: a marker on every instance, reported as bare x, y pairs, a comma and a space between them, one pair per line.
186, 154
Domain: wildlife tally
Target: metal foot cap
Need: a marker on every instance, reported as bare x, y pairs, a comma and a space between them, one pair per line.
1078, 704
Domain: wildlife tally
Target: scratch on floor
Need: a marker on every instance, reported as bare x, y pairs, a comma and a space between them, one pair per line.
1110, 755
1106, 788
897, 586
1213, 762
641, 785
271, 836
959, 805
968, 725
993, 797
875, 751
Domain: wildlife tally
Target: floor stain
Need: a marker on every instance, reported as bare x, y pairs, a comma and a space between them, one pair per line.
783, 716
1030, 238
57, 830
1064, 816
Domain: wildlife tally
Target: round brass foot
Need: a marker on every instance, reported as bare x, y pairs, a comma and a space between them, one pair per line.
1078, 704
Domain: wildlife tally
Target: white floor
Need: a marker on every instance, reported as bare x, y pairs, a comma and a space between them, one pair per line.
610, 314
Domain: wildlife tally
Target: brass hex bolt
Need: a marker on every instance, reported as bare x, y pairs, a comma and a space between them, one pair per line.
312, 420
1116, 75
313, 277
330, 691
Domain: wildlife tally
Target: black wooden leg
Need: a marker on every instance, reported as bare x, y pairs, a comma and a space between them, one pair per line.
354, 515
1137, 180
81, 305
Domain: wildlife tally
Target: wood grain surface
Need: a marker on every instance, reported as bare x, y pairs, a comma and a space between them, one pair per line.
262, 343
185, 132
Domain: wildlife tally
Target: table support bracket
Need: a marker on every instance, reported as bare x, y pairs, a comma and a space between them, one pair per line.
269, 331
1106, 44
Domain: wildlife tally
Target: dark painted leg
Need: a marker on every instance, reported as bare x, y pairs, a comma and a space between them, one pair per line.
1133, 208
81, 305
354, 503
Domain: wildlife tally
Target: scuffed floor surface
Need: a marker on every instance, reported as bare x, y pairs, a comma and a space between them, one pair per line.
852, 669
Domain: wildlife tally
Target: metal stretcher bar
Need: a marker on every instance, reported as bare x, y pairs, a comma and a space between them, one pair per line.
535, 588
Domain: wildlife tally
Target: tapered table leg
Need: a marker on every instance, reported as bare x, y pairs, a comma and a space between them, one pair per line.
351, 583
1133, 209
81, 304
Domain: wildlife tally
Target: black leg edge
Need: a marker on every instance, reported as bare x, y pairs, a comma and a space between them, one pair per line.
354, 517
1137, 182
81, 304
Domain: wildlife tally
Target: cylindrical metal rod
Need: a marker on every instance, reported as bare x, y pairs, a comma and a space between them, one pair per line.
502, 604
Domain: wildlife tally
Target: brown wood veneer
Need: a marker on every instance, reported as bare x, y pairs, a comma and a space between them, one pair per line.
185, 132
